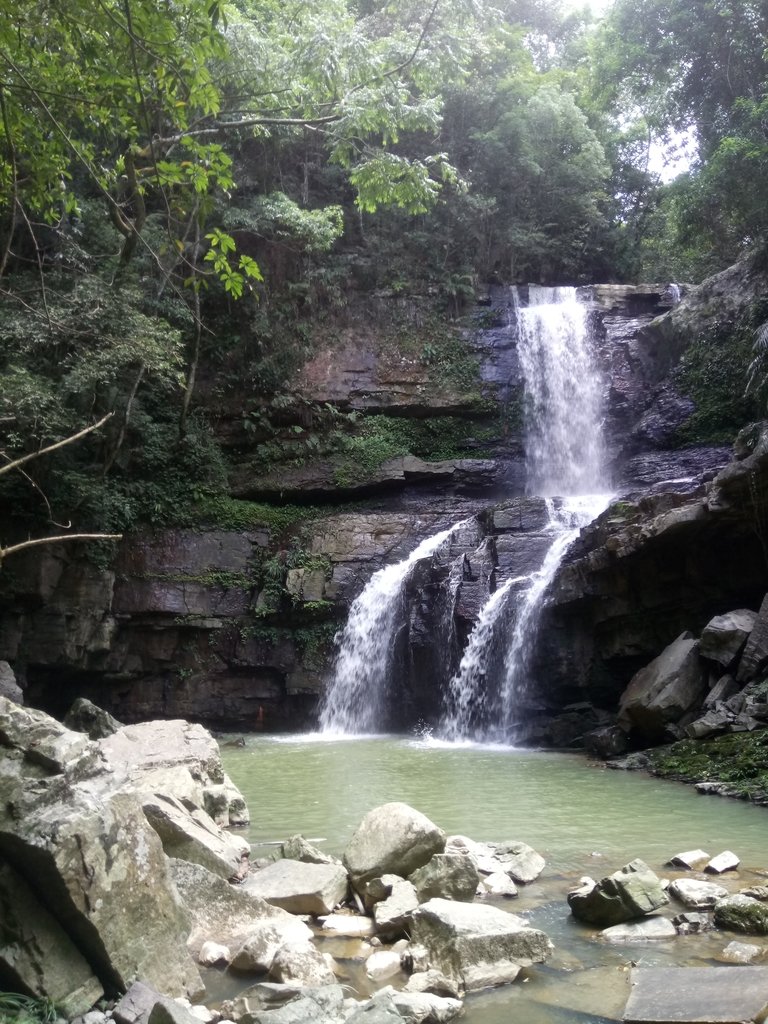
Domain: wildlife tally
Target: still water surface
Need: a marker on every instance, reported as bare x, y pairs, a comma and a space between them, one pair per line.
583, 818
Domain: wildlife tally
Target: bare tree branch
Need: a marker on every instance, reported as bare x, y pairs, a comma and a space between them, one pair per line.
16, 463
23, 545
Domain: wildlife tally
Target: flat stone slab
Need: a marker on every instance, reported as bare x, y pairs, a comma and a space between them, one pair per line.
697, 995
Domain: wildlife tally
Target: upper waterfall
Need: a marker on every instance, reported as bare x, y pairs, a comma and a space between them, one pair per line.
563, 395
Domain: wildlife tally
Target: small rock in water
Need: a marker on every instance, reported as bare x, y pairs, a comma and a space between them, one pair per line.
725, 861
697, 895
742, 953
383, 964
692, 923
348, 925
691, 859
497, 884
640, 931
214, 953
742, 914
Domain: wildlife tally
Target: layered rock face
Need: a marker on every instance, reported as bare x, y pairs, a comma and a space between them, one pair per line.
235, 628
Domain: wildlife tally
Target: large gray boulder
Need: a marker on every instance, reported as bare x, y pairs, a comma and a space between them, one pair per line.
302, 963
631, 892
724, 636
415, 1007
89, 854
477, 946
663, 693
193, 835
222, 913
391, 839
290, 1004
37, 955
300, 887
177, 758
451, 876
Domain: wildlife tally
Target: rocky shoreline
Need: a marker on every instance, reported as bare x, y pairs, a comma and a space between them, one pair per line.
121, 879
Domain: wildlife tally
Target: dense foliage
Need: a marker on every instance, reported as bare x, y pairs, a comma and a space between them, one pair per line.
192, 191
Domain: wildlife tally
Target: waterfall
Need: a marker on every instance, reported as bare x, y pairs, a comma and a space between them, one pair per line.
564, 456
563, 395
566, 521
354, 701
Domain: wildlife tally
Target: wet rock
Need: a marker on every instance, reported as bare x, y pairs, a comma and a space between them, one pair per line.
629, 893
384, 963
391, 839
432, 981
725, 861
477, 946
303, 964
742, 914
448, 875
348, 925
607, 741
697, 994
724, 636
299, 887
521, 862
690, 859
650, 928
212, 953
692, 923
498, 884
742, 953
659, 695
421, 1007
289, 1004
695, 894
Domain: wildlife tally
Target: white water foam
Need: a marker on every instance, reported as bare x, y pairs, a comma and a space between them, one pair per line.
354, 702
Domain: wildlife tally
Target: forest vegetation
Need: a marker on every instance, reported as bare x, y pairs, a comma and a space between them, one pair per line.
190, 190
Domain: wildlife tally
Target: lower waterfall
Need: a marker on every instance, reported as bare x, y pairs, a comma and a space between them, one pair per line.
356, 696
480, 703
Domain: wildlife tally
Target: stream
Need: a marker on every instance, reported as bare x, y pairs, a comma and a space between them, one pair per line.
582, 817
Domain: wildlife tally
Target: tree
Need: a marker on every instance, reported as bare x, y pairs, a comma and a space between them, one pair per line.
16, 466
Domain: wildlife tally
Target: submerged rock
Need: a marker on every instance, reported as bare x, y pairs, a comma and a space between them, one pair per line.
690, 994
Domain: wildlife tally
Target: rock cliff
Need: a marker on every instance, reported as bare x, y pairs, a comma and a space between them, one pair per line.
233, 625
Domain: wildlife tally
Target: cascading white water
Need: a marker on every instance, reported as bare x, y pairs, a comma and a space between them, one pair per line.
567, 522
354, 700
563, 395
564, 456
